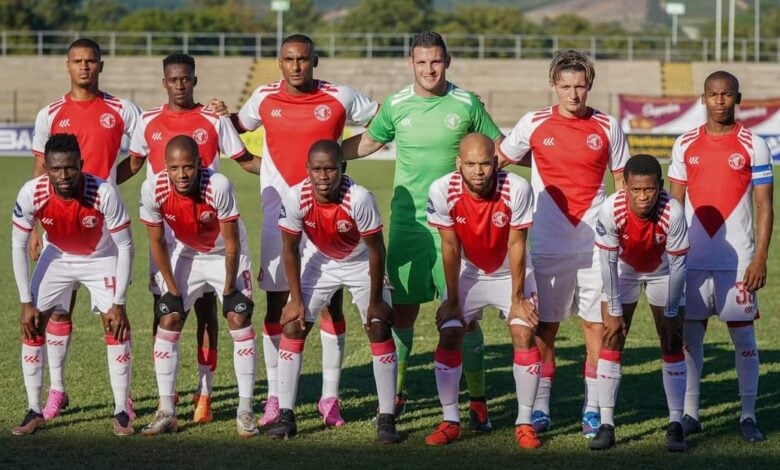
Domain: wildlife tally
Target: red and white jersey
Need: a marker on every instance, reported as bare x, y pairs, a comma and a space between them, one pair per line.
569, 157
194, 220
719, 172
294, 122
482, 225
214, 135
643, 244
78, 227
98, 124
336, 229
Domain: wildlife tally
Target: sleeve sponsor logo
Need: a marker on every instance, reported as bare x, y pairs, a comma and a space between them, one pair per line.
18, 210
600, 229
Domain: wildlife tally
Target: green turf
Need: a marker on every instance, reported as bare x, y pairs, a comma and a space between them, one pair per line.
82, 435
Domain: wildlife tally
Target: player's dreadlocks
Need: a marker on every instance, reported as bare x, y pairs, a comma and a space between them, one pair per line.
572, 61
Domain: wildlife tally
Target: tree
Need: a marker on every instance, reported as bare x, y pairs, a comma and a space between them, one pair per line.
303, 17
389, 16
485, 20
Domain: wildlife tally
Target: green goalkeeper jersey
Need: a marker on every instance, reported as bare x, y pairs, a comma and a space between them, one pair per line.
427, 132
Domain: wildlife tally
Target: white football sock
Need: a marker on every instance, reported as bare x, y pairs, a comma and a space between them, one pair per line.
385, 362
166, 366
547, 374
332, 336
57, 343
609, 372
272, 335
120, 362
290, 361
746, 361
448, 366
207, 364
244, 363
33, 360
674, 378
693, 339
591, 401
526, 368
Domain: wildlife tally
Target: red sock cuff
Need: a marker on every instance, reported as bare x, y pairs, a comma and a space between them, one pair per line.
207, 357
673, 357
385, 347
170, 336
589, 370
244, 334
527, 357
449, 358
335, 328
548, 370
272, 329
291, 345
59, 328
111, 341
610, 355
37, 341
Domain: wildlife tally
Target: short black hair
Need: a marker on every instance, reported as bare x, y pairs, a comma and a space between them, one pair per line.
642, 165
428, 39
722, 75
183, 142
86, 43
299, 38
62, 143
331, 147
183, 59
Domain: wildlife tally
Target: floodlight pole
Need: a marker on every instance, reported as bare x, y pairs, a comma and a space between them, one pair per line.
279, 30
757, 30
718, 28
731, 31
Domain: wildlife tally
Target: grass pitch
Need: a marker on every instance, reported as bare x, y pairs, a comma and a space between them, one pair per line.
82, 436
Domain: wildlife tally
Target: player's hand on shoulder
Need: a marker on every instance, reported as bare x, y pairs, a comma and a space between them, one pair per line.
379, 311
117, 322
237, 302
218, 107
30, 321
524, 309
294, 311
755, 275
449, 310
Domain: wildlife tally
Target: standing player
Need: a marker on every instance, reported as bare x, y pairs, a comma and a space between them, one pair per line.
571, 145
643, 241
427, 120
211, 252
719, 169
214, 135
483, 215
342, 221
295, 112
99, 121
89, 243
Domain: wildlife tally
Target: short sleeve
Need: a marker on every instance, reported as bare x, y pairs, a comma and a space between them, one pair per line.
677, 172
113, 208
618, 147
438, 211
522, 203
131, 115
41, 132
382, 128
149, 211
230, 144
290, 215
677, 236
139, 147
762, 162
361, 108
249, 115
517, 144
607, 237
365, 211
225, 201
482, 121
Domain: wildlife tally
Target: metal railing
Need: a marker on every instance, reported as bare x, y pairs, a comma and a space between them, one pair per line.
370, 45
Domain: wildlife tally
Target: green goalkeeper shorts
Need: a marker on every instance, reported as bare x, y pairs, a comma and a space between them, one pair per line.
414, 267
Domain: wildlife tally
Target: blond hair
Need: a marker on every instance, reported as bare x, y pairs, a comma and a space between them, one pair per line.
572, 61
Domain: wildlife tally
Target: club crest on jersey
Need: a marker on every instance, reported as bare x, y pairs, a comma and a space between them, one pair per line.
206, 216
107, 120
660, 239
200, 136
343, 226
452, 121
322, 112
499, 219
594, 142
89, 221
737, 161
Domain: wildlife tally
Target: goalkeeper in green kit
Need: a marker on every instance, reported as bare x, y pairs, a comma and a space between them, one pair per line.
427, 120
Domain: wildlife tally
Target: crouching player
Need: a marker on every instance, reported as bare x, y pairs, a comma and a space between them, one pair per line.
643, 241
89, 243
211, 252
342, 220
483, 215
